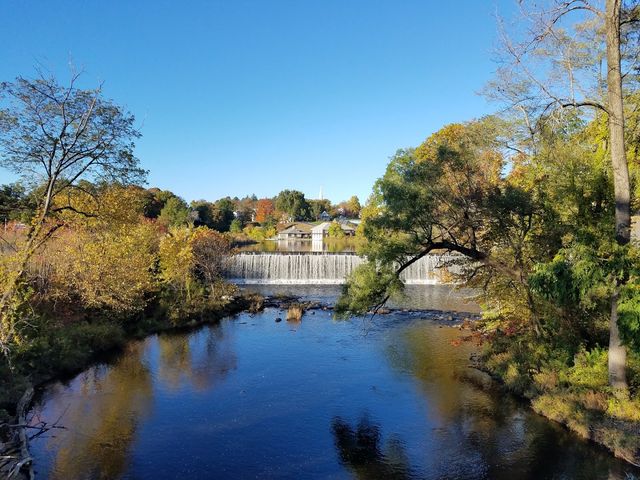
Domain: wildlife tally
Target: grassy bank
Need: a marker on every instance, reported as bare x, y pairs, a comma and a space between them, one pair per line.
573, 391
61, 349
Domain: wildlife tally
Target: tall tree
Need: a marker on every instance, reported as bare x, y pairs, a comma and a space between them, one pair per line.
223, 215
204, 213
430, 199
354, 206
14, 202
293, 203
56, 136
553, 67
318, 206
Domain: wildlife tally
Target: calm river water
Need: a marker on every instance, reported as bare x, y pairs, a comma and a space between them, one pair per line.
255, 398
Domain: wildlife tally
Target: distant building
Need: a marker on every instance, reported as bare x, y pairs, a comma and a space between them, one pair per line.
321, 231
295, 231
324, 216
348, 228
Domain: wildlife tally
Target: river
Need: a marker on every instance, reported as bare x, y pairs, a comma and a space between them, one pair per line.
252, 397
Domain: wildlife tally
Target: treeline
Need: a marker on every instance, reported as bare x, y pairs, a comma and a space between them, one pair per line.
19, 204
113, 249
536, 202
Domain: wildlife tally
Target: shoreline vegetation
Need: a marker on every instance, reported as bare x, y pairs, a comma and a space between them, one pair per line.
534, 203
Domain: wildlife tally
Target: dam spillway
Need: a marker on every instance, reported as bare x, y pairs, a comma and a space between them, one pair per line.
318, 268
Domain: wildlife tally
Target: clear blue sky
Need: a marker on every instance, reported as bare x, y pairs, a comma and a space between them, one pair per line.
241, 97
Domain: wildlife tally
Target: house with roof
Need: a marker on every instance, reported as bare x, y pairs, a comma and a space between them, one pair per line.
321, 231
295, 231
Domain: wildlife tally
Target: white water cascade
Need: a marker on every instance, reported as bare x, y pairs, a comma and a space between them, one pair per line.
317, 268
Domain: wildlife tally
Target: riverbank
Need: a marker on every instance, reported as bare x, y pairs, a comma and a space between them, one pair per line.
401, 383
618, 436
577, 396
64, 352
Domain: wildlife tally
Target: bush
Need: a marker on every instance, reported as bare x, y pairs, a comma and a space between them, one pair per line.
589, 370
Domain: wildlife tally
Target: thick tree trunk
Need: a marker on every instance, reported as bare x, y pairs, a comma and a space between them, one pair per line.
617, 351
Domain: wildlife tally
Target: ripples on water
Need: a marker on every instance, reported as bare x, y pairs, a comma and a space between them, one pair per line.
256, 398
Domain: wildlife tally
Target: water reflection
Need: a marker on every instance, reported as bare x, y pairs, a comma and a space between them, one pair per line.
256, 398
199, 362
302, 246
482, 432
103, 408
102, 417
359, 448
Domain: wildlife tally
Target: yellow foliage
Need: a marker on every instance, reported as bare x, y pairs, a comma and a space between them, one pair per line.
177, 259
111, 206
108, 269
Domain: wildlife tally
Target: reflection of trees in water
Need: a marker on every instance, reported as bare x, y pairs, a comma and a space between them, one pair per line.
425, 351
201, 360
109, 403
361, 451
102, 418
487, 433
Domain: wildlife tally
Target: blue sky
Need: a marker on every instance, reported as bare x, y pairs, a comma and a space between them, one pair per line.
242, 97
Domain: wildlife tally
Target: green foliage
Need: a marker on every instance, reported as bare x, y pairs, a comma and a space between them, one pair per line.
175, 213
318, 206
15, 204
629, 314
589, 369
204, 213
335, 230
582, 278
353, 207
366, 287
236, 226
260, 234
294, 204
154, 201
439, 197
223, 215
217, 216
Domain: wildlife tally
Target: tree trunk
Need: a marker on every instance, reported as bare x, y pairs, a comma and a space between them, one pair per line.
617, 351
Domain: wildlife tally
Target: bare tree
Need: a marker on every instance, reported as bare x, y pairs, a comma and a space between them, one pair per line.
55, 136
578, 54
212, 252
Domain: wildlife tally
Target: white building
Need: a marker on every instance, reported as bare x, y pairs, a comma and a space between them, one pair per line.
321, 231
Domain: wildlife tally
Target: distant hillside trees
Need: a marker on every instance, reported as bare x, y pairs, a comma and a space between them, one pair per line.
175, 213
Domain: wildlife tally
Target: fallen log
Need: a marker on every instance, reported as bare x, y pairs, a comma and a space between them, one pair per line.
15, 459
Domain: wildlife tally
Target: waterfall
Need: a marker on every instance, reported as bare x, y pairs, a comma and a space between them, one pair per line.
317, 268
